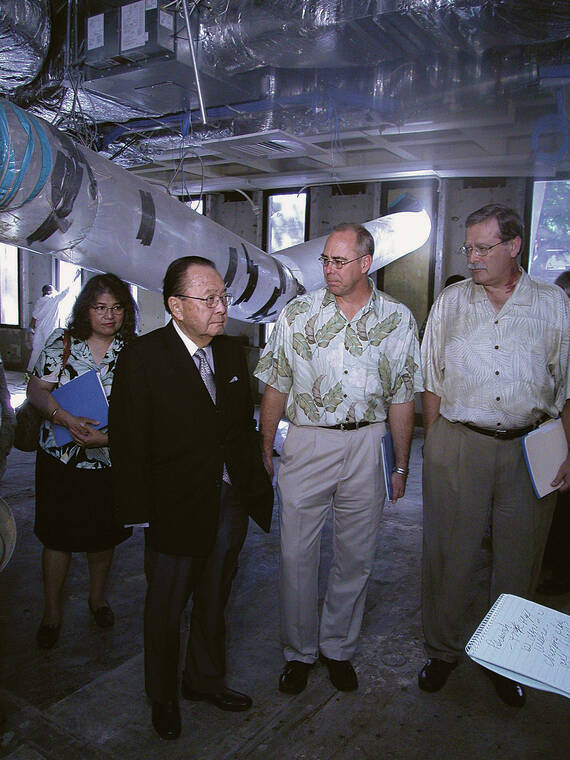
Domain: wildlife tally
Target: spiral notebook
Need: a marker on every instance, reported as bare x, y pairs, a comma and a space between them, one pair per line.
526, 642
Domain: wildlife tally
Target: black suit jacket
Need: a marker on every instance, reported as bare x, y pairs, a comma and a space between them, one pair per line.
169, 441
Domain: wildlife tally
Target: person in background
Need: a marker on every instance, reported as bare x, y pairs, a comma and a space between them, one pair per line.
50, 311
563, 281
556, 561
496, 358
74, 494
345, 361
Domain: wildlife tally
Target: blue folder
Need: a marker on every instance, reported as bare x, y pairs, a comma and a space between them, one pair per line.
388, 462
83, 396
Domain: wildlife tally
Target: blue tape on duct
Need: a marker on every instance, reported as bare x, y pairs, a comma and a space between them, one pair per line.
25, 160
47, 161
8, 158
13, 177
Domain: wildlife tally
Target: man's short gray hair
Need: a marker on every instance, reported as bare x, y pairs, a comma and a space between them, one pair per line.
364, 240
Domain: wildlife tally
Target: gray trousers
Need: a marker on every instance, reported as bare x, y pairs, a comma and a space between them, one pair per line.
468, 477
320, 469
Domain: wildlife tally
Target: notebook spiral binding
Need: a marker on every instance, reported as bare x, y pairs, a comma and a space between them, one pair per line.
482, 627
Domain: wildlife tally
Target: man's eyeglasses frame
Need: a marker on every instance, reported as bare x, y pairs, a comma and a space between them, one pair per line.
481, 250
339, 263
212, 300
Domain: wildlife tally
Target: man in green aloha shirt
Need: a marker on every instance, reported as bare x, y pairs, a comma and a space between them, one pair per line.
343, 361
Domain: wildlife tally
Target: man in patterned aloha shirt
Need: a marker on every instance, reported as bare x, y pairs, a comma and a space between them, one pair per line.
342, 360
495, 359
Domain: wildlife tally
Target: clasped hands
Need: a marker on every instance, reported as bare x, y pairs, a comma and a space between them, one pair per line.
82, 430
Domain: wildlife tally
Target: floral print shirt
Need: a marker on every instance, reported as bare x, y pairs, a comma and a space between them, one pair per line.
48, 368
336, 370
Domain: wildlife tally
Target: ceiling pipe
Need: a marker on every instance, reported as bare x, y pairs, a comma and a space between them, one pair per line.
194, 63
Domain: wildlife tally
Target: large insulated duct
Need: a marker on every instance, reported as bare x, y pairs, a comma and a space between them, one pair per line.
60, 198
25, 32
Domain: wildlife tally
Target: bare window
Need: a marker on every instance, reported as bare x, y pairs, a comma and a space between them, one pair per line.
286, 220
66, 273
9, 291
550, 230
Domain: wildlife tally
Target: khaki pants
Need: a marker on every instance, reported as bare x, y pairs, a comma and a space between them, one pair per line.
321, 468
467, 477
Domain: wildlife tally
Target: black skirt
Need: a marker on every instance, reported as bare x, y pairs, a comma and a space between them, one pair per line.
74, 507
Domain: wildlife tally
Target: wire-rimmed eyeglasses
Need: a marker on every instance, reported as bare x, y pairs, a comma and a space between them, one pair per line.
100, 309
339, 263
212, 300
480, 250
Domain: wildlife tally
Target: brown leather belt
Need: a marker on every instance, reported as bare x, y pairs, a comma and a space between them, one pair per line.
346, 426
504, 435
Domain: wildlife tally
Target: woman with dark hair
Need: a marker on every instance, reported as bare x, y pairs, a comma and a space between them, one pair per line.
74, 509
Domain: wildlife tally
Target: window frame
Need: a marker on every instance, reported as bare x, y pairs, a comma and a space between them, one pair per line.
18, 286
527, 221
265, 233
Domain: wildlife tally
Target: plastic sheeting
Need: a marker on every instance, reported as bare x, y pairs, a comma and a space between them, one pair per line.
242, 35
324, 65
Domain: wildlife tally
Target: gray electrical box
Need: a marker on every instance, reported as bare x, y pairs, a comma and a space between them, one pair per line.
133, 33
137, 54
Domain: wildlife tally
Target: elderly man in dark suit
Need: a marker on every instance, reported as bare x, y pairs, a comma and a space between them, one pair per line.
187, 462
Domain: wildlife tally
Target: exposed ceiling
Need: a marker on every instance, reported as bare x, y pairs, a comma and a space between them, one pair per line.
299, 92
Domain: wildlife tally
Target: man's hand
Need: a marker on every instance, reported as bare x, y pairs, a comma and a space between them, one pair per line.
268, 462
272, 406
398, 486
563, 475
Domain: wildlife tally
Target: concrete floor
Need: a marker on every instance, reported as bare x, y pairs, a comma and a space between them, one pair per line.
84, 699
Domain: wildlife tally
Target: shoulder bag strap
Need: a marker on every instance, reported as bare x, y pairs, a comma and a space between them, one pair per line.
66, 348
66, 351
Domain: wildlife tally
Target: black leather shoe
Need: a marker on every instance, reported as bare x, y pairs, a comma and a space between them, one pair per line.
341, 673
166, 719
434, 674
293, 679
511, 692
47, 635
225, 699
104, 616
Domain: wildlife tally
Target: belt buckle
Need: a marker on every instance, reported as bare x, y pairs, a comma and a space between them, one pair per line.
501, 433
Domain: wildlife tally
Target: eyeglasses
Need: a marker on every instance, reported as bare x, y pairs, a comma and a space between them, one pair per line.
100, 309
339, 263
481, 250
212, 300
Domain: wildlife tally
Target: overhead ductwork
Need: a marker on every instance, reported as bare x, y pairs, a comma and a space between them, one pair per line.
25, 28
304, 67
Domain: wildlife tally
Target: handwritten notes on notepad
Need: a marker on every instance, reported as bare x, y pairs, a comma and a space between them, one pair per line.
526, 642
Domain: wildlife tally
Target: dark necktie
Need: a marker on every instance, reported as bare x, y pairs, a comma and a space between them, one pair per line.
208, 377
